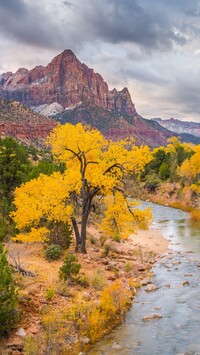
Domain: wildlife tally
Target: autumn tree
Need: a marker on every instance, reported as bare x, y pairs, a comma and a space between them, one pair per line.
190, 168
179, 152
95, 168
165, 163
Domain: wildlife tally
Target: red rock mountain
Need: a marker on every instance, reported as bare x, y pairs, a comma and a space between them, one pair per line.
64, 80
72, 92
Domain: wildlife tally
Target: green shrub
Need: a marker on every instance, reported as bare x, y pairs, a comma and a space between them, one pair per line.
70, 268
84, 281
32, 345
50, 293
128, 266
3, 231
164, 171
92, 240
105, 251
98, 280
8, 296
62, 288
152, 182
53, 252
60, 234
117, 238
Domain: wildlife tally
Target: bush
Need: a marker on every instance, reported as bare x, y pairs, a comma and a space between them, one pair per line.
70, 268
195, 215
105, 251
60, 234
92, 240
164, 171
50, 293
128, 266
8, 296
98, 280
62, 289
152, 182
53, 252
117, 238
84, 281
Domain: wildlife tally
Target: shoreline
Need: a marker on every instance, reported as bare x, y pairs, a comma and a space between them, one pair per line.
124, 269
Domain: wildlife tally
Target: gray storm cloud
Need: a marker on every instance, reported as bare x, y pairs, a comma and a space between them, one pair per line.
147, 45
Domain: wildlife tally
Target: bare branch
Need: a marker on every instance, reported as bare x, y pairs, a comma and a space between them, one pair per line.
116, 165
16, 265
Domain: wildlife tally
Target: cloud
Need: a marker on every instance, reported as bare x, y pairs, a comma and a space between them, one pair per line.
73, 22
28, 24
132, 21
150, 46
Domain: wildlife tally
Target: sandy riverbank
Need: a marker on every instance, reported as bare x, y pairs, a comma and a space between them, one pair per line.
128, 262
151, 239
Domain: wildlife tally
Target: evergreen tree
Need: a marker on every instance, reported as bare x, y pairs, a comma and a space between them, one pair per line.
8, 295
14, 166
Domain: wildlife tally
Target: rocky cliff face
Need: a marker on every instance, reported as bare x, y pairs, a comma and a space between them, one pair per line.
19, 121
117, 126
72, 92
64, 80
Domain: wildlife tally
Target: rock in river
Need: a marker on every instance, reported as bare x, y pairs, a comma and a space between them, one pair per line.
152, 316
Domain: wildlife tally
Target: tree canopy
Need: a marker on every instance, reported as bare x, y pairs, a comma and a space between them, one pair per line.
14, 165
95, 168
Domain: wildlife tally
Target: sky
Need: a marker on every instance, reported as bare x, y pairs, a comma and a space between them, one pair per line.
150, 46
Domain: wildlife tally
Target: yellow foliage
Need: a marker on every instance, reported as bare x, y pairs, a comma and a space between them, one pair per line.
190, 168
195, 188
44, 197
35, 235
113, 303
195, 214
121, 217
96, 318
93, 166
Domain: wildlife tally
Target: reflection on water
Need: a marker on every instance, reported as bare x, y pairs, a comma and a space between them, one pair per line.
177, 332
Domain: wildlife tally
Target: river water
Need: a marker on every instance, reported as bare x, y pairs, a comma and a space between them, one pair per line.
178, 331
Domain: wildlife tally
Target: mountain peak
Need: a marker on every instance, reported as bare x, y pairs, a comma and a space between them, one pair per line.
67, 81
66, 54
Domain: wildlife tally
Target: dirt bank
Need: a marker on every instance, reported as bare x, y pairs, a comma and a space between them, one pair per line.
59, 316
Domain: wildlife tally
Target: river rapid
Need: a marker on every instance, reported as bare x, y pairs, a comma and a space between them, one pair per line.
177, 299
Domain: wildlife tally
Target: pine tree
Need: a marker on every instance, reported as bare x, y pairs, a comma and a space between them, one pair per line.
8, 295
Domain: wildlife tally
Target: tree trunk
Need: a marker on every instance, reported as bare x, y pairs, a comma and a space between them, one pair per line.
83, 233
77, 236
87, 199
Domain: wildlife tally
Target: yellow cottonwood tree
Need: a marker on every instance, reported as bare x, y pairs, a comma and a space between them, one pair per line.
94, 166
190, 168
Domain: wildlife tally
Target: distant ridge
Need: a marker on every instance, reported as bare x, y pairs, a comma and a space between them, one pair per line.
178, 126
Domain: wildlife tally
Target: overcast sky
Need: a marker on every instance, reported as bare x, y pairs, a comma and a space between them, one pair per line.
150, 46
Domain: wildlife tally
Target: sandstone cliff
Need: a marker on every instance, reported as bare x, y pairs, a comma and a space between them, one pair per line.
64, 80
69, 91
19, 121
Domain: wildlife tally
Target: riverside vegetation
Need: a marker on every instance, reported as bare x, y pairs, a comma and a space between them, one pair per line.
80, 183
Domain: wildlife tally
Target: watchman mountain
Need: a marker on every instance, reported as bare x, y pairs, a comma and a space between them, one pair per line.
68, 91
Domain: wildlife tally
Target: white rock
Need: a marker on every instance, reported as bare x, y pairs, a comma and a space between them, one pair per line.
152, 316
21, 332
151, 287
116, 346
85, 340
